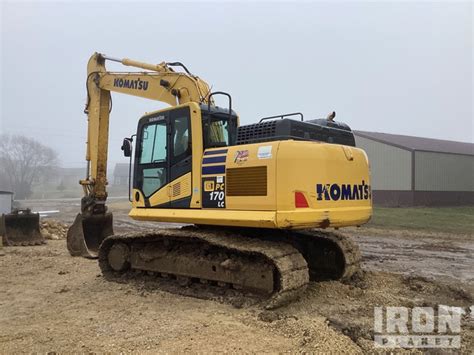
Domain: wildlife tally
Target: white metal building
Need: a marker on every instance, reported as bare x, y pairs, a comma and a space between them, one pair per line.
415, 171
6, 200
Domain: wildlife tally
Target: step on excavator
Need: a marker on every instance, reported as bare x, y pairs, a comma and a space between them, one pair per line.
257, 200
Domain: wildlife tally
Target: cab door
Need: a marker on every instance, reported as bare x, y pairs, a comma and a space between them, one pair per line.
152, 167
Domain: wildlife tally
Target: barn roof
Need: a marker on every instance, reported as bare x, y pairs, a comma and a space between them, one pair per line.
419, 143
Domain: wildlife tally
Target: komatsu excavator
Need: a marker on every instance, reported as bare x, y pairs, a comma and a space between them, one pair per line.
258, 196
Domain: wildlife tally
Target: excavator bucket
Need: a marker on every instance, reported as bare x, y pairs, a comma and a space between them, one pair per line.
87, 233
21, 227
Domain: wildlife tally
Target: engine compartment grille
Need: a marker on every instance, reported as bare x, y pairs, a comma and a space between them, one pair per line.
256, 132
319, 130
249, 181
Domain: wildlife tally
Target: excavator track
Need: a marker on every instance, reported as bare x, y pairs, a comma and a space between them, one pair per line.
330, 255
272, 264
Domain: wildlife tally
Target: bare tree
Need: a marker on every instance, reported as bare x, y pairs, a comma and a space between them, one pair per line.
24, 162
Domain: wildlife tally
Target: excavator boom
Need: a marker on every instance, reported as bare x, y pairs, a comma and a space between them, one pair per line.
158, 82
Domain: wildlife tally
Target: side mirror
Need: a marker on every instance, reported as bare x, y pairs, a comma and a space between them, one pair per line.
127, 147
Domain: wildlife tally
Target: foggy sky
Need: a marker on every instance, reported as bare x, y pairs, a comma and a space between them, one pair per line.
402, 68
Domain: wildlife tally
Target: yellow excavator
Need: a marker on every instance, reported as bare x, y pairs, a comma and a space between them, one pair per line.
258, 197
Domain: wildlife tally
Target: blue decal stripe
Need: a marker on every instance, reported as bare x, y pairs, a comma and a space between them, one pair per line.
215, 152
215, 169
211, 160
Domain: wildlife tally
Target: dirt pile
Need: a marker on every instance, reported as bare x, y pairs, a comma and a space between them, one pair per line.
53, 230
349, 308
309, 333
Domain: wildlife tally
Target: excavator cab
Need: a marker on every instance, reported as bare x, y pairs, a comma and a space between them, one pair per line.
169, 147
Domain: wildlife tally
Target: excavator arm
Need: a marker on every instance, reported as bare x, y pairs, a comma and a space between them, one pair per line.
157, 82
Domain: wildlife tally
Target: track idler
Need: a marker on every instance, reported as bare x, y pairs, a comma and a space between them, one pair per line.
87, 233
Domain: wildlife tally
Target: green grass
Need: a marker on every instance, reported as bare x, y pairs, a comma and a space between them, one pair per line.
435, 219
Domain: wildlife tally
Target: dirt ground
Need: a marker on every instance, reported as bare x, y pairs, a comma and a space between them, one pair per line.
51, 302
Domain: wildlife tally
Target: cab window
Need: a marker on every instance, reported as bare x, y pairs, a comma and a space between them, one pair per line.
180, 137
153, 151
219, 132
